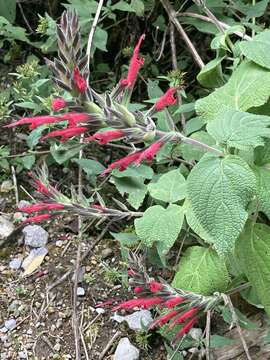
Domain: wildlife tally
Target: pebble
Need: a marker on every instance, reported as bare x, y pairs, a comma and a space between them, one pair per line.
59, 323
23, 203
6, 186
10, 324
105, 253
22, 355
59, 243
80, 291
6, 227
15, 264
195, 333
100, 310
35, 236
32, 255
3, 330
57, 347
136, 321
126, 351
18, 216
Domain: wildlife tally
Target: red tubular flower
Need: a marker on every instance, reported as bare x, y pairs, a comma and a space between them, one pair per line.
185, 329
65, 134
173, 302
35, 121
163, 319
185, 316
41, 188
135, 64
58, 104
144, 303
79, 81
106, 136
98, 207
123, 163
37, 218
149, 153
75, 118
155, 286
166, 100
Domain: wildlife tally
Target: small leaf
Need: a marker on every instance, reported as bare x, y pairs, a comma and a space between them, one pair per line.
219, 190
211, 75
91, 167
63, 152
134, 187
170, 187
161, 226
142, 171
202, 271
217, 341
252, 250
33, 138
28, 161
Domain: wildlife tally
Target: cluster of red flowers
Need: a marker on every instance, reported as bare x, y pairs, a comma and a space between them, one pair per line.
135, 158
104, 137
35, 208
166, 100
179, 309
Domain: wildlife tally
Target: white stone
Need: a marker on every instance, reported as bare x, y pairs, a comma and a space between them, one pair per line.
6, 227
100, 310
6, 186
10, 324
35, 236
34, 253
126, 351
15, 264
137, 321
195, 333
80, 291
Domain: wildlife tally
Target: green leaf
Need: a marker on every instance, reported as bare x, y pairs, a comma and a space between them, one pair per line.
33, 138
211, 75
252, 250
160, 226
126, 239
134, 187
153, 90
244, 322
219, 190
190, 152
238, 129
202, 271
100, 39
172, 354
263, 189
217, 341
251, 10
238, 93
138, 7
142, 171
28, 161
63, 152
8, 10
170, 187
258, 49
194, 124
91, 167
262, 153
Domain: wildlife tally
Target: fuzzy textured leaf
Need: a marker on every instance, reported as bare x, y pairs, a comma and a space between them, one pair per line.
258, 49
134, 187
238, 129
252, 250
238, 93
202, 271
170, 187
161, 226
263, 189
219, 190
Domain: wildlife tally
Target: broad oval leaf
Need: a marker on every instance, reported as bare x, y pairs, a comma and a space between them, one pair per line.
219, 190
91, 167
238, 93
170, 187
258, 49
202, 271
252, 250
161, 226
190, 152
238, 129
